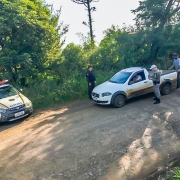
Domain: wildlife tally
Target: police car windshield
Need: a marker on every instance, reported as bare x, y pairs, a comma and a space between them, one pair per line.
7, 91
120, 77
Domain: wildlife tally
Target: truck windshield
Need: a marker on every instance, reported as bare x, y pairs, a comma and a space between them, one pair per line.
120, 77
7, 91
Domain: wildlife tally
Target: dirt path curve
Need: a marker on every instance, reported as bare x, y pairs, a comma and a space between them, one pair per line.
84, 141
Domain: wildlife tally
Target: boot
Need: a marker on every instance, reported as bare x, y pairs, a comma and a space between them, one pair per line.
158, 101
155, 99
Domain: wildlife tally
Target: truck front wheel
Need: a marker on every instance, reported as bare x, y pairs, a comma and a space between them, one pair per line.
119, 101
166, 89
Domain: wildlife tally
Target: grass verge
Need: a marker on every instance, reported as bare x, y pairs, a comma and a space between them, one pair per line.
49, 94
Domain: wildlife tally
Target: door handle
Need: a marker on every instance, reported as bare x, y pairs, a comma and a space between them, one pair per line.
145, 81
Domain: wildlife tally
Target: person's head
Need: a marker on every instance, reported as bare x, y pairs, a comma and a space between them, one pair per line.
175, 55
153, 67
90, 68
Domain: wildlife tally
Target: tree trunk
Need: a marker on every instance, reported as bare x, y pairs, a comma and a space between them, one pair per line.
90, 21
155, 47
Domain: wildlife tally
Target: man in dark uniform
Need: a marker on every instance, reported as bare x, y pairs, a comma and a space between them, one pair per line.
156, 82
91, 79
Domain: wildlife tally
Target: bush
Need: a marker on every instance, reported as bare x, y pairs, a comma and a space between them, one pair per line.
49, 94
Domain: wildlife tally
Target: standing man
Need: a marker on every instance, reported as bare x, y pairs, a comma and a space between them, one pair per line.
156, 82
176, 62
91, 79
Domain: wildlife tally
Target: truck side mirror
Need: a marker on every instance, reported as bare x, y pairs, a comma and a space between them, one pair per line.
131, 82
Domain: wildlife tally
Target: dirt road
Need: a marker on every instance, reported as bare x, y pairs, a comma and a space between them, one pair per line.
84, 141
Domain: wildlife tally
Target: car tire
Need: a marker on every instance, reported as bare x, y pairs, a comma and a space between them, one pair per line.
119, 101
166, 89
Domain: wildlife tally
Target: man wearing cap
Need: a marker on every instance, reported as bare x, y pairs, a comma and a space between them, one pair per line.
91, 79
156, 82
136, 78
176, 62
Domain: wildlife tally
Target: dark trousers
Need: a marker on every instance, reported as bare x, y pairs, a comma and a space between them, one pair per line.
178, 79
90, 88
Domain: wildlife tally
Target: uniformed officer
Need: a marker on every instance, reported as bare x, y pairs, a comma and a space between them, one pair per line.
156, 82
91, 79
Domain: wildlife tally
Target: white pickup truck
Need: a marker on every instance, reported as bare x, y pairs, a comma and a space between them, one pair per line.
121, 86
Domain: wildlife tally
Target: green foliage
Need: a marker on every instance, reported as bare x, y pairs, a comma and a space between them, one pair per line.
156, 18
177, 173
31, 54
172, 174
29, 39
50, 94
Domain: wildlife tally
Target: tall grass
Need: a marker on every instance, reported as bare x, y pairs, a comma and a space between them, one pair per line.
177, 173
49, 94
172, 174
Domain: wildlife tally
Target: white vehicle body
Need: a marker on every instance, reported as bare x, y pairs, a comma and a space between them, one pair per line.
13, 104
107, 92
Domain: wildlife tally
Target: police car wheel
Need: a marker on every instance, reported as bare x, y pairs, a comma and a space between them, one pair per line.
166, 89
119, 101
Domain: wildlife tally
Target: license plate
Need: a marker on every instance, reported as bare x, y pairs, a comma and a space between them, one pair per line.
19, 114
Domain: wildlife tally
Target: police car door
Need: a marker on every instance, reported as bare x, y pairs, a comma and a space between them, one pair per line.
141, 87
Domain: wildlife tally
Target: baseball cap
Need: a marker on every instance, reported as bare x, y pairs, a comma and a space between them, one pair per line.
153, 66
175, 55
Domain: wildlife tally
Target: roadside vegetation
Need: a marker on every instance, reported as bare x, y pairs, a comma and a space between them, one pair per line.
33, 55
172, 174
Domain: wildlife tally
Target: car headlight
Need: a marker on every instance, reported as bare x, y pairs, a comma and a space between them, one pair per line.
28, 104
2, 109
106, 94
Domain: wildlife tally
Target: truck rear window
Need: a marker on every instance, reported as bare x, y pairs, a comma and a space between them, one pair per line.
7, 91
120, 77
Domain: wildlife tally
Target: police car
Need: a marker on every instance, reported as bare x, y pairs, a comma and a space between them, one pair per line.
13, 104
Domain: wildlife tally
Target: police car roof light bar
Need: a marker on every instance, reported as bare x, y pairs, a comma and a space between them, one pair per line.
3, 82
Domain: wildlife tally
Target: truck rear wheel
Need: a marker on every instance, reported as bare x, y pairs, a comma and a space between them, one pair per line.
119, 101
166, 89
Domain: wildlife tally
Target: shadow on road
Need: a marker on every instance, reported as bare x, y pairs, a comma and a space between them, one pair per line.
7, 125
88, 141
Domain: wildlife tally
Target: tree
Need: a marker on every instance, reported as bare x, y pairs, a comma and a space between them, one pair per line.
90, 10
29, 39
155, 16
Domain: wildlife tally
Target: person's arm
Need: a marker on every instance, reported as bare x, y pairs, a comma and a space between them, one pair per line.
178, 65
93, 77
171, 67
87, 78
139, 78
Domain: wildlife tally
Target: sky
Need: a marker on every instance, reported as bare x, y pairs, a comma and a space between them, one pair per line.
109, 12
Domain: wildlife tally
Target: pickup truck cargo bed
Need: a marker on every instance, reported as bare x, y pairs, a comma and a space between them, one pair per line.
163, 72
